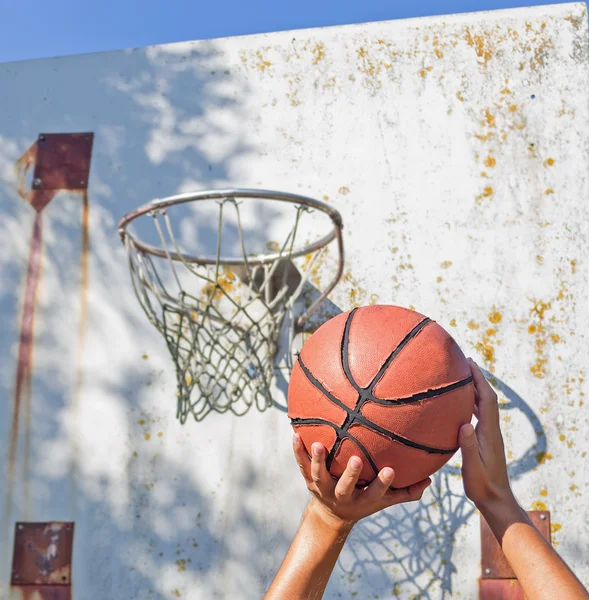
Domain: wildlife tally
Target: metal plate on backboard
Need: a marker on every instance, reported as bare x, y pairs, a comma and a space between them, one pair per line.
493, 562
42, 553
63, 161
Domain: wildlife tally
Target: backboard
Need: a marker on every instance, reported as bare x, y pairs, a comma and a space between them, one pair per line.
455, 149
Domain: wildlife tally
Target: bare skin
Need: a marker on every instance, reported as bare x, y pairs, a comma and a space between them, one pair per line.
336, 506
541, 572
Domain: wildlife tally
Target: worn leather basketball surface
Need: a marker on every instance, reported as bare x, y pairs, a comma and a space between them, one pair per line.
386, 384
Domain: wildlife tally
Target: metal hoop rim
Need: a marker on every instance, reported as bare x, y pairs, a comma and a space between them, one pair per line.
231, 193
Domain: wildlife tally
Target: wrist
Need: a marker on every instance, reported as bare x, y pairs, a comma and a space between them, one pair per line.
323, 518
497, 503
501, 512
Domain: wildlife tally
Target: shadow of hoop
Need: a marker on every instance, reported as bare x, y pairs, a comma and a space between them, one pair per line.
409, 548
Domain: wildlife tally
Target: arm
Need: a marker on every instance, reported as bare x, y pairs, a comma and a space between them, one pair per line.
334, 508
541, 572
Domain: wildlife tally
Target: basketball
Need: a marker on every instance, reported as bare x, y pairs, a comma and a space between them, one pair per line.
386, 384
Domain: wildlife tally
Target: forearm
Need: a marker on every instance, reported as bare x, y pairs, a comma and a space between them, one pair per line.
310, 560
539, 569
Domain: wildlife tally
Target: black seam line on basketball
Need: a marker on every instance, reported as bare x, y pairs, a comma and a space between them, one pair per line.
341, 435
364, 393
331, 456
344, 351
317, 385
348, 374
353, 416
396, 352
422, 395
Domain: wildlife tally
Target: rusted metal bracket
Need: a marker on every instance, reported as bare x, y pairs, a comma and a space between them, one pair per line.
63, 161
498, 581
42, 560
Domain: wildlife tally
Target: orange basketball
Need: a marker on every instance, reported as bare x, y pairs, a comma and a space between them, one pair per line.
386, 384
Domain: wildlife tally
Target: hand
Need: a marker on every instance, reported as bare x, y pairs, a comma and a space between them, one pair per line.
340, 503
484, 470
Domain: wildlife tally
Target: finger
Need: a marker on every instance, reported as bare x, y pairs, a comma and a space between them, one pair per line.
379, 487
476, 404
347, 482
476, 411
407, 494
472, 464
302, 457
319, 474
487, 398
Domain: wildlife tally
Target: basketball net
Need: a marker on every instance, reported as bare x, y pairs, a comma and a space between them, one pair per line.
221, 322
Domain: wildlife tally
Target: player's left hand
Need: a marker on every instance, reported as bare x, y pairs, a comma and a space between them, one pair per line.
340, 502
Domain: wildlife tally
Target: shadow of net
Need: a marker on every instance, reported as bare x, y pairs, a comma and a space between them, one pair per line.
408, 550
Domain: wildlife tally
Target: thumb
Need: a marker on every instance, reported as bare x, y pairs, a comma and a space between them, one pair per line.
469, 447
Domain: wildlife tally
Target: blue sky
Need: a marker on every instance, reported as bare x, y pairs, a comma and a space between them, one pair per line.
42, 28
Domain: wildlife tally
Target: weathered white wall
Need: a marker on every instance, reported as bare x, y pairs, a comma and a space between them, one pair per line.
456, 150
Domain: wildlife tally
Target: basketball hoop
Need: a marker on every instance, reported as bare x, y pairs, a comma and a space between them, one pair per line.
221, 313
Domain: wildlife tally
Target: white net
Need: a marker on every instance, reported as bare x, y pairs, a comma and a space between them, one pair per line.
221, 320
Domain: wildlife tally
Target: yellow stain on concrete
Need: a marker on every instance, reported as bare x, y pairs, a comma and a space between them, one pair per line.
495, 317
262, 63
486, 137
318, 52
542, 457
489, 119
482, 44
486, 347
487, 192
